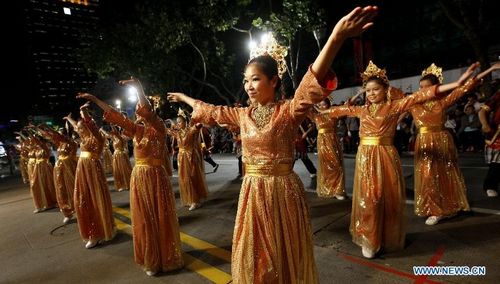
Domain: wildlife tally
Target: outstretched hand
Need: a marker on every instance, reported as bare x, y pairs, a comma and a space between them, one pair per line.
131, 81
86, 96
175, 97
467, 73
67, 117
85, 106
356, 22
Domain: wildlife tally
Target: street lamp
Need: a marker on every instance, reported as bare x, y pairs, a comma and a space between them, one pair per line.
118, 104
132, 94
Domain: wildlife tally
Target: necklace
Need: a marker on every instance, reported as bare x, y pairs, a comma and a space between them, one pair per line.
262, 115
373, 108
429, 104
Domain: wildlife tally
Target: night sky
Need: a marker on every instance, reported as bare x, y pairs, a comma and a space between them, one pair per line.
394, 26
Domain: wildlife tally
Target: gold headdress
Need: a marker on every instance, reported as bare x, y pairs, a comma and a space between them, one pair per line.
269, 46
182, 113
373, 71
434, 70
156, 101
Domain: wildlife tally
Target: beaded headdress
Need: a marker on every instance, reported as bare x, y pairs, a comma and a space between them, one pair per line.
434, 70
373, 71
182, 113
269, 46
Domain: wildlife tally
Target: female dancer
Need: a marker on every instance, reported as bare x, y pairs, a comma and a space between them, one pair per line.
272, 240
64, 170
378, 202
192, 183
157, 245
331, 182
122, 169
91, 197
439, 185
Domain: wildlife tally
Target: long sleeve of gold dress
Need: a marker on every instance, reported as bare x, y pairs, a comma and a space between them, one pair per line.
439, 184
272, 240
157, 245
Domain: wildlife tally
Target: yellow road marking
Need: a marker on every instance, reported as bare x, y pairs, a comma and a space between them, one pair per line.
202, 268
124, 227
192, 241
207, 247
213, 274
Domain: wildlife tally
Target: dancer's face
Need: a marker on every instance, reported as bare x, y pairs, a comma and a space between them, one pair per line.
323, 105
181, 122
375, 92
424, 84
259, 87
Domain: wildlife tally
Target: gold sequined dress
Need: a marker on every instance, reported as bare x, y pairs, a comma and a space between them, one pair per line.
91, 196
64, 172
42, 181
157, 245
122, 169
107, 158
378, 203
272, 240
192, 183
331, 179
439, 185
22, 149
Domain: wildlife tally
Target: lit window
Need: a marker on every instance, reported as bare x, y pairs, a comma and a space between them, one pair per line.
67, 11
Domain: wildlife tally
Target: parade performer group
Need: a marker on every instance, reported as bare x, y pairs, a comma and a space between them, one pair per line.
272, 239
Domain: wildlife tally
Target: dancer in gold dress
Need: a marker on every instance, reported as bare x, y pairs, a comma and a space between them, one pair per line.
157, 245
331, 181
272, 240
378, 203
439, 185
91, 196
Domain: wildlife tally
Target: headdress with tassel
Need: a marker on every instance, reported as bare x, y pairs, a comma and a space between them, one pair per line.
373, 71
434, 70
182, 113
269, 46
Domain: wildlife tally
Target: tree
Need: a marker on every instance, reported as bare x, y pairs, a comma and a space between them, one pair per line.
290, 23
473, 20
170, 45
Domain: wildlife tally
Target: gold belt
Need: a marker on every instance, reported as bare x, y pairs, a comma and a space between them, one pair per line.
87, 154
42, 160
63, 157
32, 160
325, 130
118, 152
152, 162
268, 169
429, 129
376, 141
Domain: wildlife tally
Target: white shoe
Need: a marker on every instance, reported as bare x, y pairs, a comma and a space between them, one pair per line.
491, 193
37, 211
91, 244
194, 206
67, 219
312, 175
368, 253
150, 273
340, 197
433, 220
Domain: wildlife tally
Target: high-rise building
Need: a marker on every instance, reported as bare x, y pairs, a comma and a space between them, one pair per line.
56, 30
